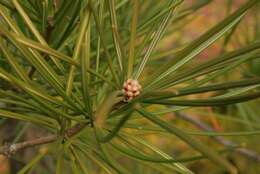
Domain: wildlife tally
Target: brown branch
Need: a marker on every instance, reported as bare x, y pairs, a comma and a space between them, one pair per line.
243, 151
10, 149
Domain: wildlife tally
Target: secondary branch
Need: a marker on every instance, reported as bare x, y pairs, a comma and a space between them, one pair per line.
10, 149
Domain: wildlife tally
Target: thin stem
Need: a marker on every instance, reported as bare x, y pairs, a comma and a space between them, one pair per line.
109, 57
133, 38
116, 37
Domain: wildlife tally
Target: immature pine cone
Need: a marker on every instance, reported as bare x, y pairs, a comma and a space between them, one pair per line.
131, 89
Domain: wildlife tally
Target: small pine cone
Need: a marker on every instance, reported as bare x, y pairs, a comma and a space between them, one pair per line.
131, 89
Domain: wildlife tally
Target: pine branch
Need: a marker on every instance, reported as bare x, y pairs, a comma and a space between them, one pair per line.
203, 126
11, 149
